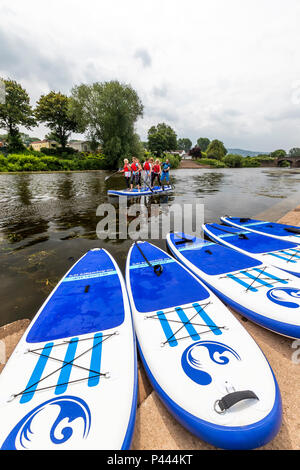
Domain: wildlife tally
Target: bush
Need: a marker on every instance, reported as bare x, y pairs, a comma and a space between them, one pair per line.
25, 162
250, 162
285, 164
212, 162
233, 160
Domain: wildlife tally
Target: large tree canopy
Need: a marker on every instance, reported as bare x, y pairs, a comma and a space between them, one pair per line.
203, 143
161, 138
107, 112
14, 112
184, 144
54, 110
216, 149
295, 152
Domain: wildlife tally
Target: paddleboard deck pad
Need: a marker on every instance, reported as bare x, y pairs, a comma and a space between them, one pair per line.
262, 293
269, 250
71, 382
289, 233
145, 191
203, 364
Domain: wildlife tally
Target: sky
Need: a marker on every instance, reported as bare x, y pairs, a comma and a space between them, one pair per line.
228, 70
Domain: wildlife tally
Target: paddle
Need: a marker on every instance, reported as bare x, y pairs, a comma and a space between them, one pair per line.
107, 177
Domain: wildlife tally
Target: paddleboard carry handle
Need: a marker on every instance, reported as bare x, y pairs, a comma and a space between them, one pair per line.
157, 268
222, 405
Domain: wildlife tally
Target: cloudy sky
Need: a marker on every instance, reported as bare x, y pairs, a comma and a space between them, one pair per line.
219, 69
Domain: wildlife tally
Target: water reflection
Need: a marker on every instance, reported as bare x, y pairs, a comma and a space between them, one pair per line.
49, 220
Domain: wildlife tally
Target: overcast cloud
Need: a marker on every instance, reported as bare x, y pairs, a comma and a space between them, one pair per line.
219, 69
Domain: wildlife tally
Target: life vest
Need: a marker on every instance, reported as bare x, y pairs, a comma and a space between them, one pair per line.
147, 166
156, 169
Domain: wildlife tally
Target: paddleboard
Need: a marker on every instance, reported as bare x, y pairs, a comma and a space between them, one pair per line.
71, 382
203, 364
260, 292
145, 191
289, 233
282, 254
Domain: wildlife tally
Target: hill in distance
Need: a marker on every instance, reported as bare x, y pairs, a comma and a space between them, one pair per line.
246, 153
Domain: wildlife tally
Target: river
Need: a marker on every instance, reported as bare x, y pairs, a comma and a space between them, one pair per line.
49, 220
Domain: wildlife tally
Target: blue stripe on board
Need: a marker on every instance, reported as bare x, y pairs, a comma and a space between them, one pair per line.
95, 360
188, 326
65, 372
205, 317
167, 329
240, 281
288, 252
261, 281
271, 276
282, 257
36, 374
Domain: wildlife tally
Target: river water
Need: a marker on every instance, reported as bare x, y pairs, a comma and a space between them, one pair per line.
49, 220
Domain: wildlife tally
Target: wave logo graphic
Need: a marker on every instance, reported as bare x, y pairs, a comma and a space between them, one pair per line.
200, 356
285, 296
70, 416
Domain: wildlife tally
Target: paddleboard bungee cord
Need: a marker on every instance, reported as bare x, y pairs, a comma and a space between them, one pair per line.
73, 361
263, 293
31, 388
220, 387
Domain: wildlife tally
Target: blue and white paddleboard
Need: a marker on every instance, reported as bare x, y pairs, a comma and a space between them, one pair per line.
289, 233
203, 364
71, 382
145, 191
282, 254
260, 292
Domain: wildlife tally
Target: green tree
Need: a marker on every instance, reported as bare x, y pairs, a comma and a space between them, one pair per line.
278, 153
216, 150
161, 138
295, 152
107, 113
184, 144
54, 111
15, 112
203, 143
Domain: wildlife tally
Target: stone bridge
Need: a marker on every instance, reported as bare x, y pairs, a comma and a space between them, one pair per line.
293, 160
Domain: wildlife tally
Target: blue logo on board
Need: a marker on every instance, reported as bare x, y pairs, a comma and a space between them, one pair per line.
70, 417
199, 356
285, 296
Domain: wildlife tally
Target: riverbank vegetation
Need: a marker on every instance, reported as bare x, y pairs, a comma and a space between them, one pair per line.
106, 113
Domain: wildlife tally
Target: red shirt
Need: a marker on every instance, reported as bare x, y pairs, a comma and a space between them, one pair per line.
156, 168
147, 166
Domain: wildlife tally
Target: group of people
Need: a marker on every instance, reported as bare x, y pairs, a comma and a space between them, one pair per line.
153, 170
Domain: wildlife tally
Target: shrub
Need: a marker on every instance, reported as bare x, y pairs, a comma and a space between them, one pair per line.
250, 162
233, 160
212, 162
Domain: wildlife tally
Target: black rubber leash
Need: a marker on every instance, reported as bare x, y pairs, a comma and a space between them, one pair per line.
158, 269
